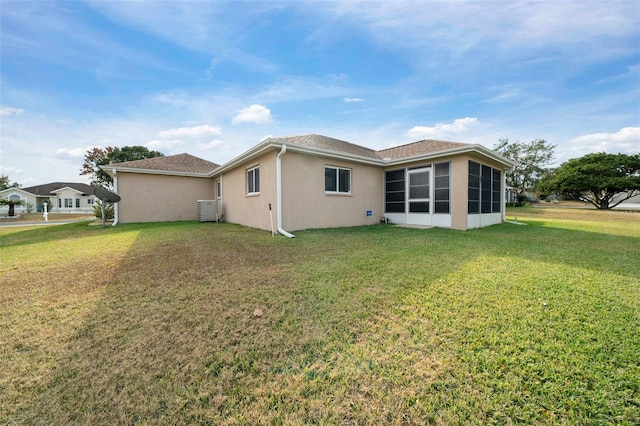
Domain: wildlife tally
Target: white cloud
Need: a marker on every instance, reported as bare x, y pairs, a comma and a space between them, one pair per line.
70, 153
164, 144
458, 125
9, 171
626, 140
10, 111
195, 131
209, 145
255, 113
353, 100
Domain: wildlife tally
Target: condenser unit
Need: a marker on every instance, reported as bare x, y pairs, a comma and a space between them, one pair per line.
207, 210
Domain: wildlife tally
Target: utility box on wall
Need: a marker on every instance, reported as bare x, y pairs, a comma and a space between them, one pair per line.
207, 210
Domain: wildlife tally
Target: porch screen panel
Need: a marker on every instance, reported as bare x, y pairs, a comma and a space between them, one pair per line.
394, 194
496, 191
474, 188
485, 190
441, 188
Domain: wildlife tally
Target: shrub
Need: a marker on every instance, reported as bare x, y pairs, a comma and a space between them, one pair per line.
108, 210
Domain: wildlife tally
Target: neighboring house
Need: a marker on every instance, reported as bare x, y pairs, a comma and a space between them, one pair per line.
63, 197
314, 181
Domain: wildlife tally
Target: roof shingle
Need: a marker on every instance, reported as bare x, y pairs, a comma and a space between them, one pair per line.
324, 142
185, 163
426, 146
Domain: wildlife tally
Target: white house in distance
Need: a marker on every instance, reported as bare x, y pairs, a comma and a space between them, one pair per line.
62, 197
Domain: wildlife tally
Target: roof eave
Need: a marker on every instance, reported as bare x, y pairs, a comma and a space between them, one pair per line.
455, 151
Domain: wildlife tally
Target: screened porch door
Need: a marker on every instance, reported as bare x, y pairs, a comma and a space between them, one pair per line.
419, 199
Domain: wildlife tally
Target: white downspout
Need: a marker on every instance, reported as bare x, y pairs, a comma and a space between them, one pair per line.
279, 193
504, 195
115, 205
220, 210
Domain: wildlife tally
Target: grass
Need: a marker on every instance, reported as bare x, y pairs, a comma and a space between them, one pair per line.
157, 323
37, 217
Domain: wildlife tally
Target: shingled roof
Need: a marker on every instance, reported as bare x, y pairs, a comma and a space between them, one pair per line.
331, 144
184, 163
409, 150
423, 147
48, 188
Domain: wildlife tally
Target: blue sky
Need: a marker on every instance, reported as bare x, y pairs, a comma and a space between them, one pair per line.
215, 78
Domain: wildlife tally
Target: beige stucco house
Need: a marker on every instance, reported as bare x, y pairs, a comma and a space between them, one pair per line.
62, 197
314, 181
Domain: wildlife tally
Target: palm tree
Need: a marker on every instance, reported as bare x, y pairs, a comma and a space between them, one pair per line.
12, 205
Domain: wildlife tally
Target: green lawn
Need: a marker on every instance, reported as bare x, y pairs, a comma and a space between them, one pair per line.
157, 323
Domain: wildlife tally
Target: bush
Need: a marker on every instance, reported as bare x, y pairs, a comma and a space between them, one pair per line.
108, 210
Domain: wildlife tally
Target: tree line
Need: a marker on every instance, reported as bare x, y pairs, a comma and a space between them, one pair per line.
601, 179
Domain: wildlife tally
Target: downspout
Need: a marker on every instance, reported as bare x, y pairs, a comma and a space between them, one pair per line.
220, 210
504, 195
115, 205
279, 193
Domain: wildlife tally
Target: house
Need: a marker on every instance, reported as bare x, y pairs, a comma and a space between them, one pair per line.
62, 197
161, 189
314, 181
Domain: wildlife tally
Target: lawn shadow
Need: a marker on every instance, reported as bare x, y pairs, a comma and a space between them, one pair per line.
215, 322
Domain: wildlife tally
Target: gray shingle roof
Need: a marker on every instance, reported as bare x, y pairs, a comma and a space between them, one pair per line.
426, 146
185, 163
413, 149
47, 188
331, 144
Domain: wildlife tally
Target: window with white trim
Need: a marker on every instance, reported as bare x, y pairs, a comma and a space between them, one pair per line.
253, 180
218, 188
68, 202
337, 180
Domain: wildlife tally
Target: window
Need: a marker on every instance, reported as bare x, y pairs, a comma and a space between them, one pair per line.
441, 186
90, 201
253, 180
394, 191
60, 203
337, 179
484, 189
68, 202
77, 203
219, 188
14, 197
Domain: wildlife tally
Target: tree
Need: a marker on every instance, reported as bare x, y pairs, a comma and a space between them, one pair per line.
96, 157
530, 160
12, 205
4, 183
604, 180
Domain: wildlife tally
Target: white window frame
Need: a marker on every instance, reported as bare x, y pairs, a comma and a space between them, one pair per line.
251, 179
337, 171
219, 188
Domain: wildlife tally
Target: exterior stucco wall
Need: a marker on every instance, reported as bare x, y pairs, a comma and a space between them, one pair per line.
250, 210
306, 205
159, 198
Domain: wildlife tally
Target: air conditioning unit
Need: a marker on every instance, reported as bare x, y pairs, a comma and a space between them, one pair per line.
207, 210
